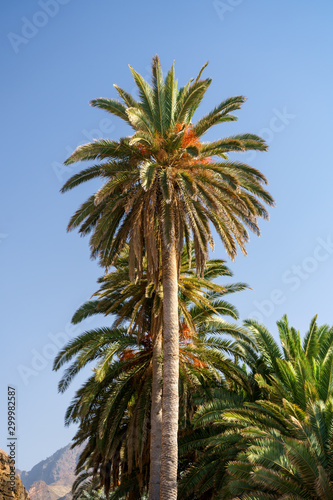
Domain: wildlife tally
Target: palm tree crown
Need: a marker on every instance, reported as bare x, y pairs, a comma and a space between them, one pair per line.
164, 176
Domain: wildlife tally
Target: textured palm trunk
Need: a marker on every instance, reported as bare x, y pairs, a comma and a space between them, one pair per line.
170, 405
156, 421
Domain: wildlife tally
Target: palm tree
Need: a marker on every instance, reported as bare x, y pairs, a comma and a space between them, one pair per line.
162, 185
288, 396
140, 303
113, 412
289, 455
298, 372
291, 435
133, 304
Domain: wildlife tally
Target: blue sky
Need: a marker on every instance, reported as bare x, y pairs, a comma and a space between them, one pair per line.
56, 56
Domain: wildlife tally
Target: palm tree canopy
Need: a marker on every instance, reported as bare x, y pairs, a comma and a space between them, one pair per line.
165, 180
201, 307
297, 370
289, 452
276, 429
138, 302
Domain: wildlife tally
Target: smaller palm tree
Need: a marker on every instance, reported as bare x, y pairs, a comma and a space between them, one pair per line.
113, 412
113, 406
283, 395
290, 456
298, 370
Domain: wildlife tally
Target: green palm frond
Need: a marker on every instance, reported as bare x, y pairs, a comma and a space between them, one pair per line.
175, 168
110, 105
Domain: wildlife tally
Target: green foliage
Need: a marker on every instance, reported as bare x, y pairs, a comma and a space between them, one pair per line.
294, 458
113, 407
92, 495
163, 177
271, 437
162, 187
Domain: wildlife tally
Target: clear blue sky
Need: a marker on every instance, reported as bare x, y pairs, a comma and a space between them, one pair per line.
56, 56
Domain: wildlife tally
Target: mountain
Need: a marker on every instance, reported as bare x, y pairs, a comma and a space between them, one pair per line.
52, 479
39, 490
5, 486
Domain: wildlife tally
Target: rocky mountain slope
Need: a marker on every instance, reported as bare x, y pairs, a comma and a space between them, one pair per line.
52, 479
5, 489
39, 490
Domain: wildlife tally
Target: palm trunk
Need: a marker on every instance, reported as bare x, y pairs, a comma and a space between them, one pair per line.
170, 405
156, 421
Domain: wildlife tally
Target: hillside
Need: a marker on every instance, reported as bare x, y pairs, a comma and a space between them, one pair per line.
5, 491
52, 478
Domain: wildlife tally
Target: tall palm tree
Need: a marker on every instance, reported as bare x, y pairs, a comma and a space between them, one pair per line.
162, 185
